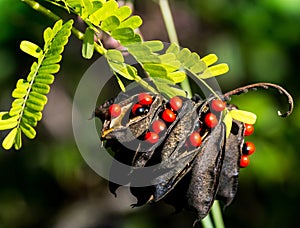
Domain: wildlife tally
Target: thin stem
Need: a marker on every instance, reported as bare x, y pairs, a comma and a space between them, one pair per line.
206, 222
43, 10
169, 23
217, 215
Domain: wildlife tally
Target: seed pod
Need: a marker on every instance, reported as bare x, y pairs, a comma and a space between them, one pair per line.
123, 128
230, 169
205, 173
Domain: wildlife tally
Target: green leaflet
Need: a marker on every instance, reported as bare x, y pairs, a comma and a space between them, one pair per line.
31, 49
228, 123
243, 116
30, 95
110, 23
9, 140
88, 43
132, 22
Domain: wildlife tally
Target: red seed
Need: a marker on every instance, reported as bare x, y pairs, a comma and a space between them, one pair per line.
175, 103
145, 99
158, 126
195, 139
135, 107
249, 129
151, 137
168, 115
218, 105
248, 148
114, 110
210, 120
244, 162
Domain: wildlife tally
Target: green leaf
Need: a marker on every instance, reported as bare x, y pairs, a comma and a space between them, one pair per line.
110, 23
32, 113
29, 120
48, 34
132, 22
19, 93
49, 69
177, 76
154, 45
167, 87
31, 49
28, 130
123, 12
136, 39
219, 69
105, 11
17, 102
88, 8
228, 123
52, 59
173, 48
7, 121
243, 116
155, 70
122, 33
37, 98
115, 56
183, 55
41, 88
210, 59
18, 139
9, 139
45, 78
88, 43
143, 53
15, 110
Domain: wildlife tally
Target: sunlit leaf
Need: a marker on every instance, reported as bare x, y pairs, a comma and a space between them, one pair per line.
9, 139
31, 49
243, 116
18, 139
132, 22
88, 44
210, 59
123, 33
228, 123
28, 130
110, 23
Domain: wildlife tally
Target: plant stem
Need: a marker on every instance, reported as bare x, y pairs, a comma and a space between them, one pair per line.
217, 215
43, 10
206, 222
169, 23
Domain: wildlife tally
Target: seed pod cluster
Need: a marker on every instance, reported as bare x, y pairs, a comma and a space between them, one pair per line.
194, 161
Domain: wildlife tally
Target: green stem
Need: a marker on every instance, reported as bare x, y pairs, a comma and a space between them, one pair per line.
169, 23
43, 10
217, 215
206, 222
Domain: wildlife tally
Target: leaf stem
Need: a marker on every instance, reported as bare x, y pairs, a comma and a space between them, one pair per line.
43, 10
169, 23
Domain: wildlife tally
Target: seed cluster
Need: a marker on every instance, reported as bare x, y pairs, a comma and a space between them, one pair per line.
169, 115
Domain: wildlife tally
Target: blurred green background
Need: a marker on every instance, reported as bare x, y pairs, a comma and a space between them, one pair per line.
48, 184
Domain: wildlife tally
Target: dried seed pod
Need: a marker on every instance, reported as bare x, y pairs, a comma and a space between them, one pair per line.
123, 128
230, 169
205, 173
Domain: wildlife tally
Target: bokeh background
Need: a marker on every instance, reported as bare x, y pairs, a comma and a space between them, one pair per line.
48, 184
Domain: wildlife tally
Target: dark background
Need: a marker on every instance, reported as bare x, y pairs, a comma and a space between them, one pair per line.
48, 184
